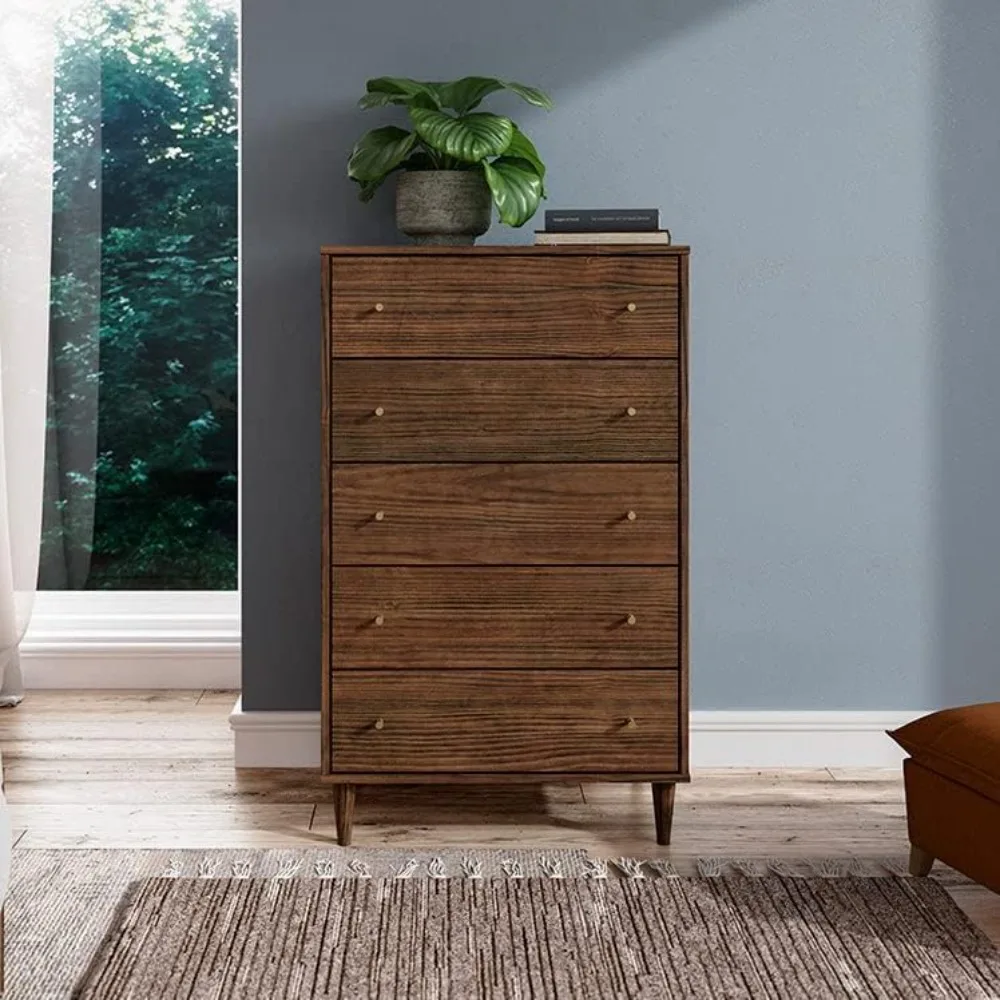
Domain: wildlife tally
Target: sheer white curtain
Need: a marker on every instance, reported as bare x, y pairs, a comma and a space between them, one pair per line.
27, 57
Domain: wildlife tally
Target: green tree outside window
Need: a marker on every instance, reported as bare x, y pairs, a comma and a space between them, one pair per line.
141, 464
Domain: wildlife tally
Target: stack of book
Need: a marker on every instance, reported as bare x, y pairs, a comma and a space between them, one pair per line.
602, 225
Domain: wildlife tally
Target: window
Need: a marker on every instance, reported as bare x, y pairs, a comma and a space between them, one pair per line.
141, 456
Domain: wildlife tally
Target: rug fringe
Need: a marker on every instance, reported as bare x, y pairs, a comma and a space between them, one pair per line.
595, 868
554, 867
630, 867
360, 869
471, 868
407, 869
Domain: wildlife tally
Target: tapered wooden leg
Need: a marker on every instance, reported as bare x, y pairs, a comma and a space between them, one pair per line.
920, 861
343, 807
663, 810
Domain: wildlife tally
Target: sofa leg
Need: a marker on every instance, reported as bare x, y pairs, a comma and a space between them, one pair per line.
920, 861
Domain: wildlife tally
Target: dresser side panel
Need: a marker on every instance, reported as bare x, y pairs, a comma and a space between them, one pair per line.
683, 541
326, 473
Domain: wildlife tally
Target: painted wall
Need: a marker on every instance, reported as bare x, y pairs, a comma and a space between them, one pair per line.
836, 169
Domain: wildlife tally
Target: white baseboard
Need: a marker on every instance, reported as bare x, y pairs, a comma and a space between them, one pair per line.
718, 739
142, 640
275, 739
796, 739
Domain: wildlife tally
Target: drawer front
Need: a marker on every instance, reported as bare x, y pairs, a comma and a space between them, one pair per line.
536, 305
495, 721
505, 411
494, 514
464, 618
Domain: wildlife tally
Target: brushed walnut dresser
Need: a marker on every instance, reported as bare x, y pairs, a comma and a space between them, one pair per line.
505, 518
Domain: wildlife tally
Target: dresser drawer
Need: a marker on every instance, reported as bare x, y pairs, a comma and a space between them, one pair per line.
467, 618
493, 514
495, 721
505, 410
538, 305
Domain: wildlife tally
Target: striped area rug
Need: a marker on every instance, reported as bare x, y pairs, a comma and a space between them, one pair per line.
61, 903
648, 936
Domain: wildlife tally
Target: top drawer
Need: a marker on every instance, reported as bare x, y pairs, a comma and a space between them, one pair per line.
517, 306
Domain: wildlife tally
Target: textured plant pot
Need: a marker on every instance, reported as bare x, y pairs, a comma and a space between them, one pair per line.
449, 207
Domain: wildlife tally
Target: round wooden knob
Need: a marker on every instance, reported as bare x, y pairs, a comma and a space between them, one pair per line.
631, 411
631, 515
379, 411
379, 515
630, 723
380, 723
379, 619
630, 620
379, 307
631, 307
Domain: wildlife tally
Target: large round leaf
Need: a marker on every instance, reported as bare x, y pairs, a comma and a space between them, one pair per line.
379, 152
522, 148
417, 160
469, 138
465, 94
468, 93
516, 187
384, 90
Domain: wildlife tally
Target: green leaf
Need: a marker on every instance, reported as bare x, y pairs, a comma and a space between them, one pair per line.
470, 138
516, 187
522, 148
384, 90
420, 160
424, 99
380, 99
368, 188
532, 95
468, 93
379, 152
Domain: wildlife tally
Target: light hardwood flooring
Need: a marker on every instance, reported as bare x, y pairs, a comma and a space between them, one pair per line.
154, 769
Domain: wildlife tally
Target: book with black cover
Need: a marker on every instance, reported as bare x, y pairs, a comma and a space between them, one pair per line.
597, 220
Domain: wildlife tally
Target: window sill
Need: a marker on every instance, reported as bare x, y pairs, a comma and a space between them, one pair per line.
133, 639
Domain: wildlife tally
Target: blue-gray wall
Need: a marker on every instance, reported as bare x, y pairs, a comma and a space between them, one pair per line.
836, 168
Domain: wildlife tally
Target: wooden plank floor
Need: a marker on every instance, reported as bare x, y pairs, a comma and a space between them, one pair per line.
154, 769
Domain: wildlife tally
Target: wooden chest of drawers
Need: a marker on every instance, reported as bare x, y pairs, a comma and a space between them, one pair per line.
505, 517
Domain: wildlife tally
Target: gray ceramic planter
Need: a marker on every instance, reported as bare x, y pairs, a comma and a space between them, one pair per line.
445, 207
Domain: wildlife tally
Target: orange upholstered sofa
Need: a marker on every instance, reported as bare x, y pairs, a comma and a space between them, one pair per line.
953, 791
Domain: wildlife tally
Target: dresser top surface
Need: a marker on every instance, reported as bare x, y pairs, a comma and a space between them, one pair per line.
527, 250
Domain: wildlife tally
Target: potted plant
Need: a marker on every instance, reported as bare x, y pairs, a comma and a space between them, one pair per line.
455, 163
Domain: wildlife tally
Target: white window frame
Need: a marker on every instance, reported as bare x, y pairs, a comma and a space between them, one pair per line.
121, 639
139, 640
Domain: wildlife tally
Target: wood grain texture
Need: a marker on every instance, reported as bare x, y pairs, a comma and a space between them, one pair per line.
507, 250
663, 810
459, 484
496, 514
466, 618
539, 411
505, 305
326, 473
169, 790
344, 797
496, 721
683, 494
